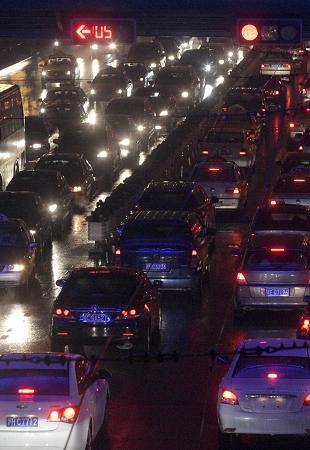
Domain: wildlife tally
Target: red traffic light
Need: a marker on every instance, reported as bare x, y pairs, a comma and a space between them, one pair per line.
249, 32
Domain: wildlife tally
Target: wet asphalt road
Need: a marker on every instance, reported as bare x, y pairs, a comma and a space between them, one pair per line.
156, 405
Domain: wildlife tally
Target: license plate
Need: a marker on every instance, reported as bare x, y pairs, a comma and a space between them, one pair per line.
22, 422
95, 318
278, 292
155, 266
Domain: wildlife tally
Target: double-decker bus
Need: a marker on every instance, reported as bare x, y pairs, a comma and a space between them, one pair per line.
12, 133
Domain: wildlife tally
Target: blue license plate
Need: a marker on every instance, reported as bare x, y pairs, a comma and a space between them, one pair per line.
22, 422
95, 318
156, 267
277, 292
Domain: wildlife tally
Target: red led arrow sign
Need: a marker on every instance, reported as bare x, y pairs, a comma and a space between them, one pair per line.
100, 30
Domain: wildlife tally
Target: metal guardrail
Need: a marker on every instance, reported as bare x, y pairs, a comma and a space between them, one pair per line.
173, 159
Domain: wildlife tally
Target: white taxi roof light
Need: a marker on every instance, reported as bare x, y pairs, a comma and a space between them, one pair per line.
272, 376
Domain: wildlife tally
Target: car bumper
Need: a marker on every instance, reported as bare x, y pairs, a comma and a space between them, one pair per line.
246, 300
24, 438
12, 279
241, 422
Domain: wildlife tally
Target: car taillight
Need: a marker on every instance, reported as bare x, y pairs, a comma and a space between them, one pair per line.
194, 259
229, 397
264, 65
292, 124
287, 66
299, 180
277, 249
214, 169
118, 252
307, 400
304, 326
194, 252
235, 190
272, 203
68, 414
129, 313
301, 148
62, 312
304, 91
204, 151
243, 153
241, 278
276, 92
308, 109
225, 109
263, 110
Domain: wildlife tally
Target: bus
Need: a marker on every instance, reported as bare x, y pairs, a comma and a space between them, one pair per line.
12, 133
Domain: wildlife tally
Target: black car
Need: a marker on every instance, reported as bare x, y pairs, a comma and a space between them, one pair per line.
76, 170
52, 188
39, 139
97, 304
65, 94
64, 116
274, 89
171, 247
171, 47
28, 206
202, 60
108, 84
296, 160
152, 54
179, 196
252, 99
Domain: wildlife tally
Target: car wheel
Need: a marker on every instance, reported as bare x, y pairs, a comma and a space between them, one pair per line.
226, 441
89, 441
57, 346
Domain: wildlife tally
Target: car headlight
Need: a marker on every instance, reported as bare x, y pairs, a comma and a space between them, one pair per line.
16, 267
32, 232
52, 208
140, 127
158, 127
153, 65
44, 73
92, 92
230, 54
119, 91
76, 189
221, 61
125, 142
68, 72
36, 146
164, 112
184, 94
94, 46
124, 152
42, 110
112, 46
171, 57
207, 67
102, 154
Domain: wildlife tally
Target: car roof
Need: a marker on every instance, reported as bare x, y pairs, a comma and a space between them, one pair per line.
59, 155
44, 360
170, 186
159, 216
298, 346
42, 172
17, 195
105, 270
223, 164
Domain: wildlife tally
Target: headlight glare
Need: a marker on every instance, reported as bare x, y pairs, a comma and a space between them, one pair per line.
52, 208
125, 142
184, 94
164, 112
102, 154
119, 91
16, 267
140, 127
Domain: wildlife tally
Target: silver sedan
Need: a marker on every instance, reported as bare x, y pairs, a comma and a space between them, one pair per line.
292, 189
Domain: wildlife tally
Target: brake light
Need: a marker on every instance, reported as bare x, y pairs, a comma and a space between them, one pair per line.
287, 66
263, 109
118, 251
229, 397
242, 153
292, 124
194, 252
214, 169
273, 203
307, 400
301, 148
299, 180
272, 376
308, 109
264, 65
225, 109
241, 278
205, 152
25, 391
68, 414
131, 312
304, 91
305, 325
277, 250
276, 92
236, 191
301, 51
62, 312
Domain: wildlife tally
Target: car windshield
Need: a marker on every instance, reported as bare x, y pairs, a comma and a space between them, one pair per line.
288, 367
298, 185
62, 94
35, 185
112, 77
59, 60
214, 174
149, 230
246, 99
11, 236
160, 200
69, 168
273, 220
125, 108
173, 77
276, 260
222, 136
102, 288
43, 381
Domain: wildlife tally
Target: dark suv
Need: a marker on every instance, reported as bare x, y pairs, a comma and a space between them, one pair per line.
171, 247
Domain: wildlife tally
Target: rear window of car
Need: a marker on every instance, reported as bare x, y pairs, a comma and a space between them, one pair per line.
298, 185
163, 230
109, 289
282, 221
43, 381
125, 108
171, 77
288, 367
225, 137
70, 169
62, 94
11, 236
168, 201
60, 61
210, 173
282, 260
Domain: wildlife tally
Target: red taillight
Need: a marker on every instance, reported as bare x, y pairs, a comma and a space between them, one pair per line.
263, 109
194, 252
214, 169
264, 65
272, 376
307, 400
277, 249
276, 92
304, 91
301, 148
242, 153
225, 109
26, 391
305, 324
204, 152
301, 51
118, 251
131, 312
299, 180
287, 66
62, 312
308, 109
273, 203
292, 124
241, 278
229, 397
68, 414
236, 191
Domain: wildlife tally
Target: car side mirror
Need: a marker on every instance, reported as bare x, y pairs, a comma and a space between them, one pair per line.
61, 282
103, 374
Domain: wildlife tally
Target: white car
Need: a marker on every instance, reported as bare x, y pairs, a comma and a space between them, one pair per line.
266, 391
51, 400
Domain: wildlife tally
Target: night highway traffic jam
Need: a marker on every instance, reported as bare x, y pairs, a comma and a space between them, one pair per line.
154, 226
